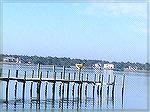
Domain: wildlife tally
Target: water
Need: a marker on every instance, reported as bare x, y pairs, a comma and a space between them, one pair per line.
135, 92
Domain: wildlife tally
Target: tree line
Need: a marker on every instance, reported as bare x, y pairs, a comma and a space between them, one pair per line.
64, 61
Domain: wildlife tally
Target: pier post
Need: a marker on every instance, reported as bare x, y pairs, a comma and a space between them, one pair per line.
7, 86
86, 87
16, 84
113, 88
46, 86
81, 88
98, 87
94, 85
23, 91
101, 88
63, 83
68, 87
123, 88
73, 86
53, 88
60, 86
38, 88
31, 87
108, 87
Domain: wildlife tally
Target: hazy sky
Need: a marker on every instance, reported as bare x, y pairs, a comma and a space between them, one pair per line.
105, 31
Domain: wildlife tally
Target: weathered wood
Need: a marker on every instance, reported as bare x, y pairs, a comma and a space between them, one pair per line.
123, 82
31, 86
16, 84
46, 86
86, 87
108, 87
7, 86
94, 86
23, 91
53, 88
68, 88
60, 86
81, 88
39, 88
98, 87
101, 87
63, 82
113, 88
73, 86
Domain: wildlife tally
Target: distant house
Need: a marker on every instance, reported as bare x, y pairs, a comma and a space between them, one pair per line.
109, 66
9, 59
97, 66
12, 59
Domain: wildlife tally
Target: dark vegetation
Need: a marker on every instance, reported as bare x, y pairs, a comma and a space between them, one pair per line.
63, 61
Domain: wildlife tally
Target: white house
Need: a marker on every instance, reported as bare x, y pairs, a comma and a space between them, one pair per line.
109, 66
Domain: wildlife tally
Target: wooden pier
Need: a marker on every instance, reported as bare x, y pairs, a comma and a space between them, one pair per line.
97, 85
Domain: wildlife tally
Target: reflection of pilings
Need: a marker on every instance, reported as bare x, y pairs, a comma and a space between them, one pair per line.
7, 85
123, 89
31, 87
23, 91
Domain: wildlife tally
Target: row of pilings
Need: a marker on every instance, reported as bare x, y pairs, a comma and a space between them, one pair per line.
97, 86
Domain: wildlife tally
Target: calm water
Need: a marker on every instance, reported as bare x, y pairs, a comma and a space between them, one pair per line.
135, 93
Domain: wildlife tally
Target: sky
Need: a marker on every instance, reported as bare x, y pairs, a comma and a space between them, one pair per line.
104, 31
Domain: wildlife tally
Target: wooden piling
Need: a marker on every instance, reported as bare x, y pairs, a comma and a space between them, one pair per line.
73, 86
101, 87
46, 86
39, 88
63, 83
68, 87
113, 88
94, 85
86, 87
98, 87
108, 87
31, 86
53, 88
60, 86
7, 86
23, 91
81, 88
16, 85
123, 82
